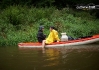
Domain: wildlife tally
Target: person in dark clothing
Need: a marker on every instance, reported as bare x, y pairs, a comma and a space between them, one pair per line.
40, 35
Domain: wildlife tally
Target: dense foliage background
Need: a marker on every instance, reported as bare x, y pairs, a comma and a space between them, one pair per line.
44, 3
20, 19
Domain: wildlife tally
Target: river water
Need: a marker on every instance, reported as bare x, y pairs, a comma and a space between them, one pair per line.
14, 58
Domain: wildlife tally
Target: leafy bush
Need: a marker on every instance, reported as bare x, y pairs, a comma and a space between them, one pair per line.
20, 24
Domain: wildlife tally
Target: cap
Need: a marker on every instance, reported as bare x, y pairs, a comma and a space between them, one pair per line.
41, 27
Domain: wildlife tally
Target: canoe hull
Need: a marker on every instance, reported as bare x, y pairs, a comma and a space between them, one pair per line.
83, 41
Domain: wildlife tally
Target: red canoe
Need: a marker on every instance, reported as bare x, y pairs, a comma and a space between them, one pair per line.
88, 40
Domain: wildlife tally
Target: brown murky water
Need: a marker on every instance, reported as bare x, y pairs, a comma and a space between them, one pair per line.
14, 58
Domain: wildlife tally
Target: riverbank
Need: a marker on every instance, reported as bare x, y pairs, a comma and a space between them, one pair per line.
20, 24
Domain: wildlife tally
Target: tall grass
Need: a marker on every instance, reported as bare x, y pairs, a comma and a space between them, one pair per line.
20, 24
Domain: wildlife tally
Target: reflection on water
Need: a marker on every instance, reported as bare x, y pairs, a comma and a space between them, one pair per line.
63, 58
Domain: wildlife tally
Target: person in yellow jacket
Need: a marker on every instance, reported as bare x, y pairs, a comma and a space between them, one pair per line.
52, 37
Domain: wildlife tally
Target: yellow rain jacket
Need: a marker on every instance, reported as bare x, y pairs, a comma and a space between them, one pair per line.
53, 36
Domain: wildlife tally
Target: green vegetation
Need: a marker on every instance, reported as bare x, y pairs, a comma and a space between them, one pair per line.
20, 23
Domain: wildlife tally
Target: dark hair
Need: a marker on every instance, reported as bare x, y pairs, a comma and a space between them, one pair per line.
53, 27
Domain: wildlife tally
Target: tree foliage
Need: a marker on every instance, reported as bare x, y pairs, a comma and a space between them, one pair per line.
44, 3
